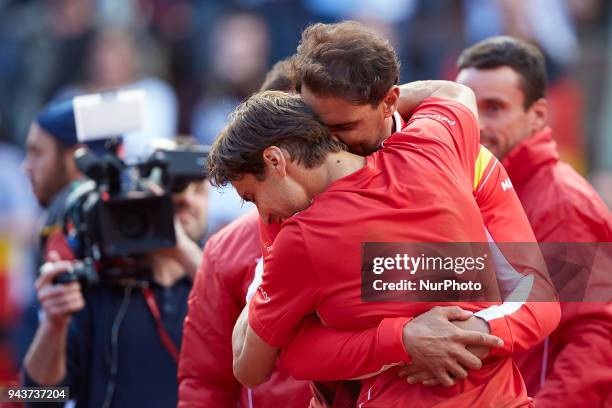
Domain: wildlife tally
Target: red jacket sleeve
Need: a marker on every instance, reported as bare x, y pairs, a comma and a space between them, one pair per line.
205, 366
581, 373
318, 352
521, 324
289, 290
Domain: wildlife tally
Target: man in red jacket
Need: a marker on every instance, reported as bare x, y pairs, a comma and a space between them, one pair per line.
572, 367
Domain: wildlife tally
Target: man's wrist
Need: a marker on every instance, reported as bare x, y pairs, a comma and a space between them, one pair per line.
390, 340
54, 326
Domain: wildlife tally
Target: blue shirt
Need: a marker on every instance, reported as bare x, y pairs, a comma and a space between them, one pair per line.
146, 374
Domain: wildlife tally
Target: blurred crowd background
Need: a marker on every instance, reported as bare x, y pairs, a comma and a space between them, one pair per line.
198, 58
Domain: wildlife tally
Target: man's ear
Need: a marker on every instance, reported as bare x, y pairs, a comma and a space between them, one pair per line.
275, 161
538, 115
391, 100
69, 162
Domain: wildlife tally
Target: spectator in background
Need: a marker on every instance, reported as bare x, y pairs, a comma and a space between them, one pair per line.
508, 76
223, 285
42, 49
387, 11
115, 61
239, 60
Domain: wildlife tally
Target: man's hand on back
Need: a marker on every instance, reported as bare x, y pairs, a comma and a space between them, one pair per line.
444, 343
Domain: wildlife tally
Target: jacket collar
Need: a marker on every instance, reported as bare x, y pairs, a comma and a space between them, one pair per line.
398, 122
530, 155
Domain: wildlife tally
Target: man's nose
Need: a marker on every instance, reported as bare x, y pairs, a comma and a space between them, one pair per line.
26, 167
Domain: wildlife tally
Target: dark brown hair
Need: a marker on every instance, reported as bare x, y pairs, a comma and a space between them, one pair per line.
524, 58
270, 118
346, 60
281, 77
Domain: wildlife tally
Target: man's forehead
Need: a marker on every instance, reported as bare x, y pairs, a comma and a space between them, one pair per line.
37, 136
244, 185
498, 76
332, 110
492, 83
341, 117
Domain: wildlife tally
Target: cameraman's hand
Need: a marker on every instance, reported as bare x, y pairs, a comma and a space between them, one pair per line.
61, 300
187, 252
45, 361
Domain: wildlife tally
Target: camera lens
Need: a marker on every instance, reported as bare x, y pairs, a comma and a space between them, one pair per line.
133, 224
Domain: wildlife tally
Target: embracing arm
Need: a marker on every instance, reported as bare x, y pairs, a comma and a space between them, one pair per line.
530, 310
429, 341
288, 292
254, 359
413, 93
318, 352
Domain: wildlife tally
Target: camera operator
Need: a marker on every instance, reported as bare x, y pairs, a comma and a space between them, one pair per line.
117, 344
52, 172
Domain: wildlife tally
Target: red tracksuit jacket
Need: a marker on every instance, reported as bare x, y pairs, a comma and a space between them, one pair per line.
205, 372
576, 360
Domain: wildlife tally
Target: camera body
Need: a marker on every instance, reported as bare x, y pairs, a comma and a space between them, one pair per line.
113, 219
123, 211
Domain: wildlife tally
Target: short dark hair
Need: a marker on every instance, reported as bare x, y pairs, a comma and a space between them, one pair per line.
524, 58
270, 118
281, 77
346, 60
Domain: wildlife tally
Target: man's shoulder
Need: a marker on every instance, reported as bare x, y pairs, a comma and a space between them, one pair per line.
443, 111
564, 200
241, 232
231, 254
566, 189
444, 130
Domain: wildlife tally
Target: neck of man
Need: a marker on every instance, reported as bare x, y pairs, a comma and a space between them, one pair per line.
166, 269
335, 167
